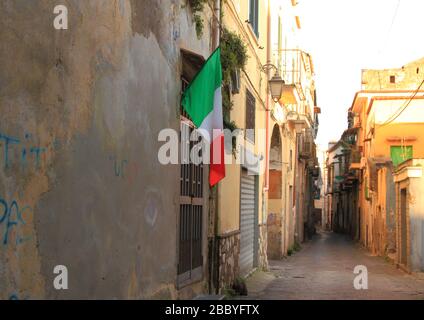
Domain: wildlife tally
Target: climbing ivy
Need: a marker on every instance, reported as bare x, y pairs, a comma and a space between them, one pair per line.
197, 7
233, 57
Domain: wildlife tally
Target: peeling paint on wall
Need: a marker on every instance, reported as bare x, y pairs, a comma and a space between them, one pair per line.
80, 184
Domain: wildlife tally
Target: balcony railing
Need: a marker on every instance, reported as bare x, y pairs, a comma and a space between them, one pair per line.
306, 150
355, 159
299, 120
296, 70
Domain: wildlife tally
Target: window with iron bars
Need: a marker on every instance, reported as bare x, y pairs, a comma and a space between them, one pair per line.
250, 116
190, 259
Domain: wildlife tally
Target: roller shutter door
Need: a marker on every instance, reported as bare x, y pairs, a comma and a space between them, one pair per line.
247, 223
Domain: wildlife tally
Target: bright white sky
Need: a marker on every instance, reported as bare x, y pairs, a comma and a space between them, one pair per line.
345, 36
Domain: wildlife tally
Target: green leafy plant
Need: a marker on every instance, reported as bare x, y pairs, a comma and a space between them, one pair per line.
229, 293
233, 57
197, 7
294, 248
233, 53
198, 21
297, 246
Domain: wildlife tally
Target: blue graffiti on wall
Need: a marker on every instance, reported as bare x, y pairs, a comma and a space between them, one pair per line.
11, 217
126, 169
15, 296
120, 168
15, 144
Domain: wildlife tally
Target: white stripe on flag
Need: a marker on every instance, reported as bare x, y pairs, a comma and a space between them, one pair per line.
213, 123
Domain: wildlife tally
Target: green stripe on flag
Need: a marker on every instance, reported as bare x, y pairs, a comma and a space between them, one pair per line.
198, 98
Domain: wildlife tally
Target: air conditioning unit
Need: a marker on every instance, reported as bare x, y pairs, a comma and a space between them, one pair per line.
235, 81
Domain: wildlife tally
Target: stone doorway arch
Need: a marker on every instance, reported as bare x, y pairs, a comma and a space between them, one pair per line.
275, 221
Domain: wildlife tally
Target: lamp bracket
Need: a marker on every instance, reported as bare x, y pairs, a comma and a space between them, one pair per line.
268, 66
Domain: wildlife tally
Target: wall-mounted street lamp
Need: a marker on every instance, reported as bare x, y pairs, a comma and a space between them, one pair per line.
276, 84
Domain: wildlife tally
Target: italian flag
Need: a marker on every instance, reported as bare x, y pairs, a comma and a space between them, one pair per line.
202, 101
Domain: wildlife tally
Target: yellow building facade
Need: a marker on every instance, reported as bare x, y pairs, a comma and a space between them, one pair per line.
241, 196
262, 208
293, 125
389, 133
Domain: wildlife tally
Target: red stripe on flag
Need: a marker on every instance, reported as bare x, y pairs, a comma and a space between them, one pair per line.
217, 166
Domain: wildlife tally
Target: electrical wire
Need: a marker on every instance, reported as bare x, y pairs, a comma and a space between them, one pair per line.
389, 31
398, 112
384, 44
392, 23
401, 109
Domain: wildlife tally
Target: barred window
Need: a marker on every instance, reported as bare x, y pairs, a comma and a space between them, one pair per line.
250, 116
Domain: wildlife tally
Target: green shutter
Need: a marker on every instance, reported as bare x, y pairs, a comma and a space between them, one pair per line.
367, 195
254, 16
399, 154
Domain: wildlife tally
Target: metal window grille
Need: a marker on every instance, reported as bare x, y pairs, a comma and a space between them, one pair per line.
250, 116
191, 210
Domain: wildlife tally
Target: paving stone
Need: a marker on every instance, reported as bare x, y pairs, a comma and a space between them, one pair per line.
323, 269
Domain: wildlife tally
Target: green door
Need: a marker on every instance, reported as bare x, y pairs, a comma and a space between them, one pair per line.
399, 154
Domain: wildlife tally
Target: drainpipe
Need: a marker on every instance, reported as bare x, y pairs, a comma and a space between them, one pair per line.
216, 24
214, 273
268, 58
295, 207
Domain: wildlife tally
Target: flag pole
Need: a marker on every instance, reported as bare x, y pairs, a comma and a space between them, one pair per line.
216, 25
214, 273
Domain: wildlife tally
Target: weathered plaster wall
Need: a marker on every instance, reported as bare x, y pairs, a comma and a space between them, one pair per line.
406, 77
80, 183
416, 216
390, 208
409, 176
254, 80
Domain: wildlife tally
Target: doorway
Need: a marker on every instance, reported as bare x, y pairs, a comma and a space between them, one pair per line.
403, 229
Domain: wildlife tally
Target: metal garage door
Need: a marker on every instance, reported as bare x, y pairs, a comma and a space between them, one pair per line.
248, 223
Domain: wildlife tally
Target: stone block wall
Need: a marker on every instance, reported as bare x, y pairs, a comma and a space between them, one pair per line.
273, 236
229, 252
263, 242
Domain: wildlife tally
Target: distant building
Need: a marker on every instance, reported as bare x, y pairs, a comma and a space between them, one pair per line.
385, 135
293, 168
407, 77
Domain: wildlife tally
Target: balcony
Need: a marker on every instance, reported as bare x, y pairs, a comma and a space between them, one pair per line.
355, 160
297, 71
299, 121
352, 175
306, 146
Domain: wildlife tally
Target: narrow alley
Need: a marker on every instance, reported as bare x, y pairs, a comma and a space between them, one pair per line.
323, 269
211, 150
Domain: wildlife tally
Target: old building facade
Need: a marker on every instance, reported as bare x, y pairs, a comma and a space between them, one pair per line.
80, 180
83, 113
293, 167
385, 132
241, 199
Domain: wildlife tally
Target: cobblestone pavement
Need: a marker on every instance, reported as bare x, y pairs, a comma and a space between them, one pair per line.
323, 269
